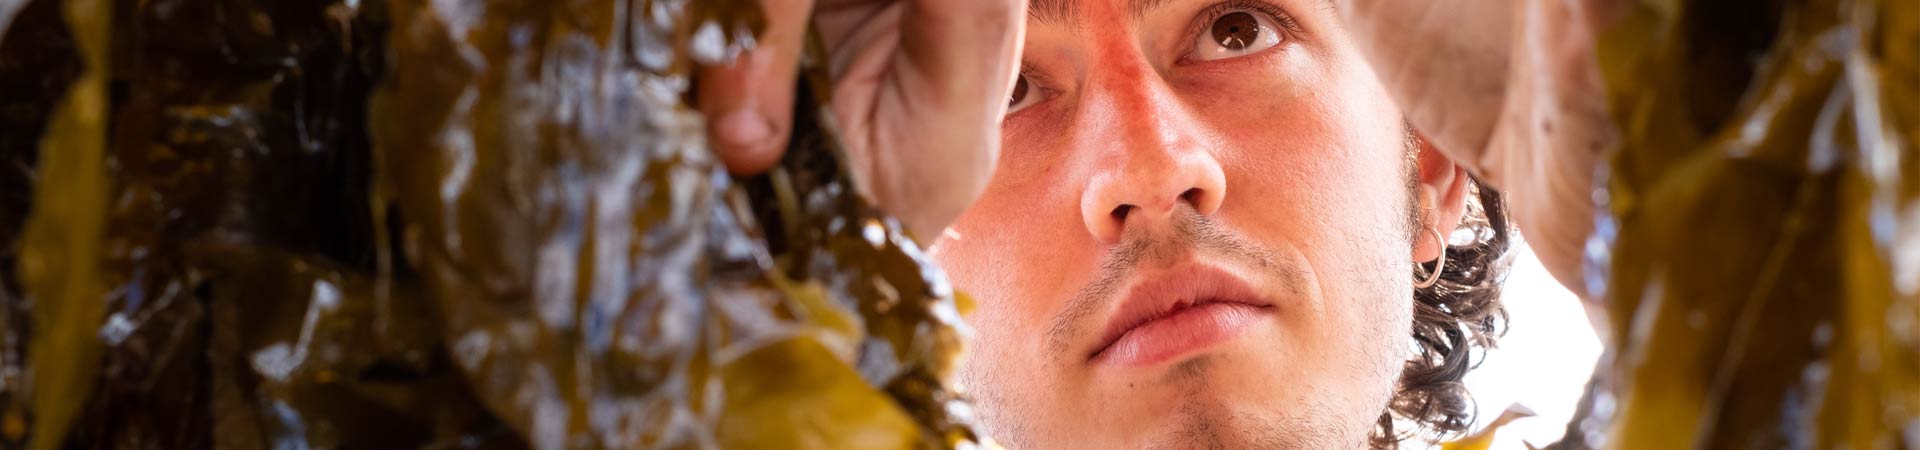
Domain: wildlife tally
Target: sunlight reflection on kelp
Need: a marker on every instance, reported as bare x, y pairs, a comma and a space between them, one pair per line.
437, 224
1766, 196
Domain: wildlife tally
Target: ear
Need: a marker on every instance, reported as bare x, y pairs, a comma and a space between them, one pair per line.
1442, 197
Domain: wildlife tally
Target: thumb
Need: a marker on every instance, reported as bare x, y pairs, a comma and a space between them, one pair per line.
749, 102
954, 66
962, 52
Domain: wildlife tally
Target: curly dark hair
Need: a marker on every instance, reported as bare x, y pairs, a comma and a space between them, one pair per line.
1454, 322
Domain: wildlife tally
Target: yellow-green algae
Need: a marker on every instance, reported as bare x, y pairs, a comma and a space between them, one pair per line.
1765, 227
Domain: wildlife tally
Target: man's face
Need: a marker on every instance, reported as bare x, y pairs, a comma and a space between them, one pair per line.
1191, 244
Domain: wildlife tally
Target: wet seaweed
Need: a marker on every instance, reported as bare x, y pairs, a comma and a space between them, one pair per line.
414, 224
1789, 129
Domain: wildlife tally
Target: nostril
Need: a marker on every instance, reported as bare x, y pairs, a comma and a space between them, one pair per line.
1191, 196
1120, 213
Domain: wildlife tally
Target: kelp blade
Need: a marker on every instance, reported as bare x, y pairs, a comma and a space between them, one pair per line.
458, 224
1765, 282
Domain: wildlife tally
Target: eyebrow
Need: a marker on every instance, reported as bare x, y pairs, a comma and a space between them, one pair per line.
1055, 12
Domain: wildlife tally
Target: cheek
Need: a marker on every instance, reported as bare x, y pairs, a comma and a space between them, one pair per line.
1021, 208
1317, 159
990, 257
1022, 221
1321, 139
1317, 162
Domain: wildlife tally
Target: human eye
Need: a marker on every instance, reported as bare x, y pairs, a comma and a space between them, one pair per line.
1026, 91
1235, 29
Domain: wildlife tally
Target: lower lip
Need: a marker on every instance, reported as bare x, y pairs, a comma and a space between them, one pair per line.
1188, 331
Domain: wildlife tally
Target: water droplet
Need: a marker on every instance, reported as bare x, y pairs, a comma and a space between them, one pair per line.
277, 361
875, 233
1597, 254
878, 363
472, 349
295, 436
708, 44
117, 329
326, 297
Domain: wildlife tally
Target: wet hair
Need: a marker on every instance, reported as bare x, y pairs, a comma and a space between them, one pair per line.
1454, 322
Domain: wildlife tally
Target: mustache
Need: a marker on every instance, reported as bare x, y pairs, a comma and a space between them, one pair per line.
1191, 234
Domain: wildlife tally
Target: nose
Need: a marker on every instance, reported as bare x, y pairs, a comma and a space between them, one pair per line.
1151, 160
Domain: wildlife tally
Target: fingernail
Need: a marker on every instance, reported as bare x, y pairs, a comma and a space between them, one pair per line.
743, 128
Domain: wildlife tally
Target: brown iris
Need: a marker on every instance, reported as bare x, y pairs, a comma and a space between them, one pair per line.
1236, 31
1019, 90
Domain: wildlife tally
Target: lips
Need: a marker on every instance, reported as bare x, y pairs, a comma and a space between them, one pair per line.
1175, 313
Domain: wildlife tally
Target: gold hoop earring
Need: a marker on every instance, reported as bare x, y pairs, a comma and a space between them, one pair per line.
1434, 277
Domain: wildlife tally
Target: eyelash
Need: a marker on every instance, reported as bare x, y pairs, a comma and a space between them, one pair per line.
1036, 82
1217, 10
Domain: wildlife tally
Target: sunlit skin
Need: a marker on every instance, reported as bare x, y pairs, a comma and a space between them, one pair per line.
1148, 157
1289, 148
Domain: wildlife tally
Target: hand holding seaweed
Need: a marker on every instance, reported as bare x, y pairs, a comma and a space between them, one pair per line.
919, 88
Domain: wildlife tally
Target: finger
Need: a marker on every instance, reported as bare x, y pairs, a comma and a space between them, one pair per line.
749, 103
954, 66
962, 51
1446, 65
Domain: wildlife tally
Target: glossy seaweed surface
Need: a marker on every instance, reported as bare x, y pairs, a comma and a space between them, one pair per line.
436, 224
1764, 235
494, 224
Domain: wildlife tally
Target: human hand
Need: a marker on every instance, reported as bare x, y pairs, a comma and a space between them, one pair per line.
919, 88
1509, 89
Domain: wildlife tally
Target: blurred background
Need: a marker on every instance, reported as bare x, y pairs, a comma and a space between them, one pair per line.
1542, 363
